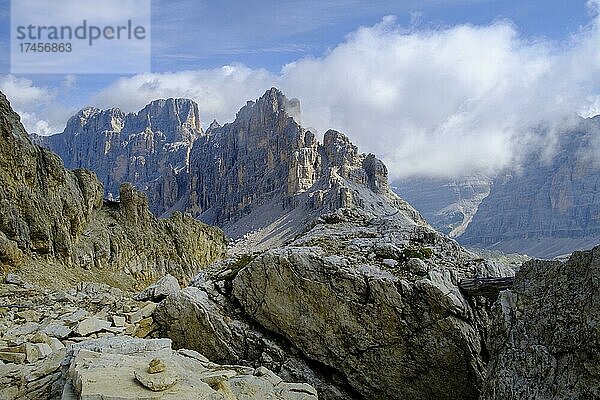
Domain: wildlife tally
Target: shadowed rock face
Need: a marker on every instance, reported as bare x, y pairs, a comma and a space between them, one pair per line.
547, 208
57, 218
150, 148
546, 332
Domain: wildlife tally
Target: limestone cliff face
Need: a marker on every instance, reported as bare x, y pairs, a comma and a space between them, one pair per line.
264, 172
57, 219
545, 209
149, 149
238, 165
544, 343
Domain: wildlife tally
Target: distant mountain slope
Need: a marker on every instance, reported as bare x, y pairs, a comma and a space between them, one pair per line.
448, 205
547, 208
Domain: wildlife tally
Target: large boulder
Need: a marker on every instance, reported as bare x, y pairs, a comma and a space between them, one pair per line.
545, 342
202, 319
392, 338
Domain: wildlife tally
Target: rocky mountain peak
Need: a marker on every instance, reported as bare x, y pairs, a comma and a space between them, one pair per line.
213, 125
264, 159
179, 112
149, 148
90, 120
338, 148
272, 103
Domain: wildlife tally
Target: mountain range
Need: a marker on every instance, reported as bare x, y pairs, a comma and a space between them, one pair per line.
262, 177
249, 175
546, 206
333, 282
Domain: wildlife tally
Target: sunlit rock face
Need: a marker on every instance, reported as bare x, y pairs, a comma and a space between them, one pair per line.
149, 149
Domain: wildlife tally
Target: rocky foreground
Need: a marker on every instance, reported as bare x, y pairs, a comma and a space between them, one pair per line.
97, 342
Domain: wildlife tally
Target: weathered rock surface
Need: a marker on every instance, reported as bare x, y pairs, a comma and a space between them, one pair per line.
150, 148
51, 218
158, 291
108, 362
363, 300
115, 368
37, 325
546, 332
359, 306
204, 319
393, 330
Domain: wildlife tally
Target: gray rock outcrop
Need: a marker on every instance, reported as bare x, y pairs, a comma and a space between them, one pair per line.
547, 207
544, 342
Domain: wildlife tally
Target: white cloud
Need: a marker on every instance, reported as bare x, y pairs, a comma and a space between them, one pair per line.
220, 92
22, 93
434, 102
38, 107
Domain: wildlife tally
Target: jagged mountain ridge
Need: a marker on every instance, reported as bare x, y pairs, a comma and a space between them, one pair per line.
261, 175
265, 176
149, 148
52, 219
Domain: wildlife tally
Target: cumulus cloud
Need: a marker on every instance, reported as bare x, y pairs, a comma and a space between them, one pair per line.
220, 92
430, 102
38, 107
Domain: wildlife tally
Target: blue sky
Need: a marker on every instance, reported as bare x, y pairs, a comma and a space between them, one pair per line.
192, 34
414, 72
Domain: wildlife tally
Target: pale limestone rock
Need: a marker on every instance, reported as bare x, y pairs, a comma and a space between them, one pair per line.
142, 313
158, 291
149, 148
157, 382
57, 330
112, 373
37, 351
91, 325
